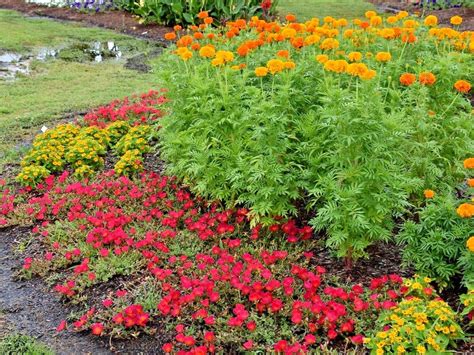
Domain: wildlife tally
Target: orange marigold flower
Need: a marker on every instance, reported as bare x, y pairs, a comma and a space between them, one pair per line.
375, 21
456, 20
184, 41
470, 182
469, 163
261, 71
466, 210
392, 19
203, 14
462, 86
354, 56
322, 58
383, 56
198, 35
470, 244
356, 69
283, 53
329, 43
402, 14
429, 193
369, 74
170, 36
431, 20
243, 50
407, 79
275, 66
290, 65
370, 14
290, 18
207, 51
177, 28
208, 20
427, 78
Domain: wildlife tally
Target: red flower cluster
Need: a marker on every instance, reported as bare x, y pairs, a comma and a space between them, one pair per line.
132, 316
138, 109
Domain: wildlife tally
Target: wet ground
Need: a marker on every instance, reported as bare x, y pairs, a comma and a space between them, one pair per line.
29, 308
14, 64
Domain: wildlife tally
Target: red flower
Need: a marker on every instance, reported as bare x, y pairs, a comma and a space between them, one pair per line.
248, 345
97, 328
167, 348
266, 5
61, 326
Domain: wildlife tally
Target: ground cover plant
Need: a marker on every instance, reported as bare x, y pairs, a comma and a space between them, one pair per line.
327, 106
278, 139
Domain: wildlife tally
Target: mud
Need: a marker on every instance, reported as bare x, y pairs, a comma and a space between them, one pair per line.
28, 307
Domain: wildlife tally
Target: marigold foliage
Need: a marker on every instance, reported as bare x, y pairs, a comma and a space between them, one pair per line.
351, 136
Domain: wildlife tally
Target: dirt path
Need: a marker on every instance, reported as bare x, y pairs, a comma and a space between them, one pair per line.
29, 308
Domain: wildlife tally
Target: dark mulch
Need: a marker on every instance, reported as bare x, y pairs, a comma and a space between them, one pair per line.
116, 20
443, 15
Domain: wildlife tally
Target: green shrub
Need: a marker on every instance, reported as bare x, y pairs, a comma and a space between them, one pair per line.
284, 133
436, 245
170, 12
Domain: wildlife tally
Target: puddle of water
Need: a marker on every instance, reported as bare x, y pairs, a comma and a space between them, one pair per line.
12, 64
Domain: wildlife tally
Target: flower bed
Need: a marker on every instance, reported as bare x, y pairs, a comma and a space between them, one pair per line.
269, 126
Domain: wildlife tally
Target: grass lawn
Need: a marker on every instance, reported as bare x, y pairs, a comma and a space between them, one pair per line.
57, 86
306, 9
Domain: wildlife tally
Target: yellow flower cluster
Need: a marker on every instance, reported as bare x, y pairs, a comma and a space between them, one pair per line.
81, 148
136, 138
468, 303
32, 175
341, 66
222, 57
417, 325
131, 162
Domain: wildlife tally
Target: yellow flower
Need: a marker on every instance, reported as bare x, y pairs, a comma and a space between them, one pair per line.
354, 56
322, 58
275, 66
261, 71
431, 20
400, 349
383, 56
456, 20
420, 349
329, 43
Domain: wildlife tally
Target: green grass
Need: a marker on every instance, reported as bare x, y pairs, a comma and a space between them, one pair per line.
26, 33
306, 9
56, 87
22, 344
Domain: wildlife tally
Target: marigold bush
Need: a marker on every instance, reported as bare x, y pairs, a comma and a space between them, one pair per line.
348, 120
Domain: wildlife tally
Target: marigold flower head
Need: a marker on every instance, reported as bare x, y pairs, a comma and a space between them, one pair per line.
369, 74
207, 51
203, 14
283, 54
261, 71
322, 58
177, 28
407, 79
275, 66
170, 36
431, 20
427, 78
370, 14
356, 69
290, 65
470, 182
470, 244
402, 14
456, 20
392, 19
410, 23
329, 43
462, 86
354, 56
290, 18
208, 20
383, 56
429, 193
376, 21
337, 66
466, 210
469, 163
